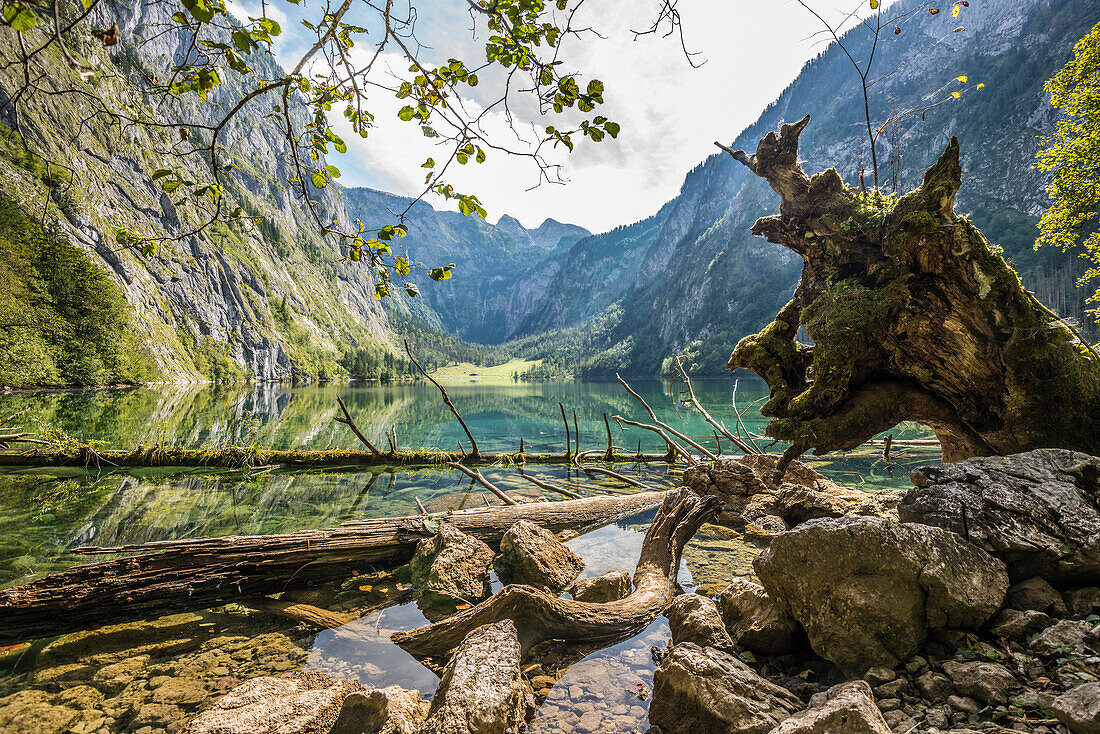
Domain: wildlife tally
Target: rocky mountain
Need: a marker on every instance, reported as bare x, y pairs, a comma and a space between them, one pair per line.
266, 299
693, 278
492, 260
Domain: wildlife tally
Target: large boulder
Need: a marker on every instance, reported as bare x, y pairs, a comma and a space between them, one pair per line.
307, 704
482, 690
1039, 511
452, 563
1079, 709
867, 590
532, 555
694, 618
751, 495
392, 710
701, 690
848, 708
756, 622
611, 586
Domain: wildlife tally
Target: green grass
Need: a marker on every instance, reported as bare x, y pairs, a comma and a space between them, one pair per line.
466, 370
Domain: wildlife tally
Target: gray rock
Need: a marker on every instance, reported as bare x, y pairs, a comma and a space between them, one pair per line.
452, 563
1079, 709
694, 618
892, 689
934, 686
706, 691
867, 590
1016, 625
964, 703
756, 622
392, 710
751, 495
307, 704
848, 709
1083, 602
876, 676
1036, 594
531, 555
986, 682
1069, 635
612, 586
482, 690
1038, 510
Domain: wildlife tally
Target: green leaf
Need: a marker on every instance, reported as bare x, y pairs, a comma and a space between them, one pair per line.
406, 113
19, 17
430, 163
333, 171
149, 249
401, 266
612, 129
318, 178
356, 254
439, 273
161, 173
431, 525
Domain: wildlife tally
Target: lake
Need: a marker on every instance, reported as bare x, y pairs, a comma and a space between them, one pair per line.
45, 513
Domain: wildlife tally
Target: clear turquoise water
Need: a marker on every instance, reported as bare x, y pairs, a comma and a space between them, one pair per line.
43, 514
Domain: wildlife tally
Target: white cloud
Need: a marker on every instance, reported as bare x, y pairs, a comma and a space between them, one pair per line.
669, 112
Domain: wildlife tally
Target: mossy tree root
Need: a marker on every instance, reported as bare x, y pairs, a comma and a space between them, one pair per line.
913, 317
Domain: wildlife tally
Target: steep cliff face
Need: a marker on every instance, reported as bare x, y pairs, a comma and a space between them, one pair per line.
268, 300
698, 281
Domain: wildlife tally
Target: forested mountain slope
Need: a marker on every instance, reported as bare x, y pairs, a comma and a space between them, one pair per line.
694, 278
266, 300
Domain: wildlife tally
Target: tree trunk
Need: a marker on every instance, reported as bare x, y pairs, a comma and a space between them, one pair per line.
203, 572
540, 616
913, 317
236, 457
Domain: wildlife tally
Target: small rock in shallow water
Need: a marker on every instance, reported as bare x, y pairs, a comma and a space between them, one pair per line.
532, 555
452, 563
612, 586
392, 710
307, 704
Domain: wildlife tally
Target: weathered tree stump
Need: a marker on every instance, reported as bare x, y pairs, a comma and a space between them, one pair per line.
914, 316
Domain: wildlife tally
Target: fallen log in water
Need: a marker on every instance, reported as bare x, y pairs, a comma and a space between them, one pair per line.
539, 616
234, 457
177, 575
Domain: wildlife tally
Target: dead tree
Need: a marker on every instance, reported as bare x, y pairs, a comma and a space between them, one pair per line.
540, 616
178, 575
914, 316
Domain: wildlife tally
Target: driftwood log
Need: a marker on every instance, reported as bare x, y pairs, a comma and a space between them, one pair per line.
89, 457
540, 616
172, 576
914, 316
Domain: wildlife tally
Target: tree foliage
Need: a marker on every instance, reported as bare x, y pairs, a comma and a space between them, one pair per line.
335, 85
1073, 156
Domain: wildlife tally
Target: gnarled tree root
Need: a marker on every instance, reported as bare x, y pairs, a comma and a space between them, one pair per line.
913, 317
539, 616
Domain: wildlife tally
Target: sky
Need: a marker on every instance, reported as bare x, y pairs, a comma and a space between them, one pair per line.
670, 113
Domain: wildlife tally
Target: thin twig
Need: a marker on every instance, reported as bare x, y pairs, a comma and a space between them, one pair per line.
551, 487
568, 448
483, 482
446, 399
347, 421
657, 421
